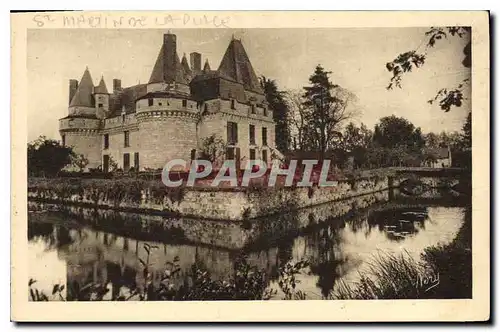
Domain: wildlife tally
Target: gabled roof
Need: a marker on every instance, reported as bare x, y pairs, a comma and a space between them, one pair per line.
83, 95
101, 88
159, 75
236, 65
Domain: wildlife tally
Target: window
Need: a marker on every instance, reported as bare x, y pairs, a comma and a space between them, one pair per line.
264, 155
205, 108
265, 111
106, 141
105, 163
232, 133
126, 161
184, 103
193, 154
233, 107
252, 154
150, 102
159, 104
253, 109
126, 138
100, 105
63, 140
136, 161
230, 153
251, 131
264, 136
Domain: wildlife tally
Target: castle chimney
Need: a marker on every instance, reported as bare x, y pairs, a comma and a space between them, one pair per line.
117, 84
73, 86
195, 60
169, 57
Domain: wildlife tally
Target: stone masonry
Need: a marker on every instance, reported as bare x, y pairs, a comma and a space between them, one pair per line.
146, 125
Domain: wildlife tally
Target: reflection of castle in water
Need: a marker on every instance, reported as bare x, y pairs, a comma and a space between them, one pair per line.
322, 235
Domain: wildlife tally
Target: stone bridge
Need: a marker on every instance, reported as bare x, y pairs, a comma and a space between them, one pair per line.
416, 180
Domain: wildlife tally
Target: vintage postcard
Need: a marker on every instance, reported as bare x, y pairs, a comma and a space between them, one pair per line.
250, 166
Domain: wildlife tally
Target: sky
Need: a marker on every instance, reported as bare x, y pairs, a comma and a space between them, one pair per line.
356, 59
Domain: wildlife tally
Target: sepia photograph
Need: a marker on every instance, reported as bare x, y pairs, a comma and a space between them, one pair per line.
252, 164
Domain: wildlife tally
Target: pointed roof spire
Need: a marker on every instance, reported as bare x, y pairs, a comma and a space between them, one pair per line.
185, 64
168, 67
206, 68
101, 88
83, 95
236, 66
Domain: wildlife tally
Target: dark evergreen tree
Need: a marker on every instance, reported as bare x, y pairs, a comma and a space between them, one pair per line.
277, 103
327, 105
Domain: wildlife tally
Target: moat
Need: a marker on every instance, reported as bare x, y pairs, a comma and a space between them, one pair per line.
73, 246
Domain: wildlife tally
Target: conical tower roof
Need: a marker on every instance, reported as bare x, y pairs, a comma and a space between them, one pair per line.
83, 95
206, 67
161, 72
101, 88
236, 65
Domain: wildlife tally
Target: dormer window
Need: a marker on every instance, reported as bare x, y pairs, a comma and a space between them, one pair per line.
100, 105
253, 109
205, 108
184, 103
265, 111
233, 107
150, 102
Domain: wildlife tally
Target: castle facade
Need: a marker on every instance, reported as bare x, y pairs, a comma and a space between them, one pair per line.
146, 125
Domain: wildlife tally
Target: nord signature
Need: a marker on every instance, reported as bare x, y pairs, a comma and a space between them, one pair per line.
427, 281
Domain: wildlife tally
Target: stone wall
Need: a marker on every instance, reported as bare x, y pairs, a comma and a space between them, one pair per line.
210, 204
87, 143
166, 138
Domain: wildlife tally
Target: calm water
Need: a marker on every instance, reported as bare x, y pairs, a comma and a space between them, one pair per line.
66, 248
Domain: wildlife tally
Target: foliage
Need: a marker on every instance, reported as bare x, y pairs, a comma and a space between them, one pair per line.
391, 276
115, 191
327, 107
406, 61
355, 137
467, 132
387, 276
80, 162
288, 280
276, 101
246, 283
213, 148
393, 132
47, 157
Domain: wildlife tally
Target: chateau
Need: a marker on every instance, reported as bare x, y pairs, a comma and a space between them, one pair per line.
146, 125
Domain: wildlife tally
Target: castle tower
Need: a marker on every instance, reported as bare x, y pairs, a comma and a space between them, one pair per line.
167, 114
101, 97
80, 129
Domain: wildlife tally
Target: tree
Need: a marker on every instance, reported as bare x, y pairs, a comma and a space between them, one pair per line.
405, 62
467, 132
297, 119
79, 161
213, 148
276, 101
393, 132
328, 108
355, 137
47, 157
431, 140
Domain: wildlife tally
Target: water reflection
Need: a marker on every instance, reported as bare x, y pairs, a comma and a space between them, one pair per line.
337, 239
